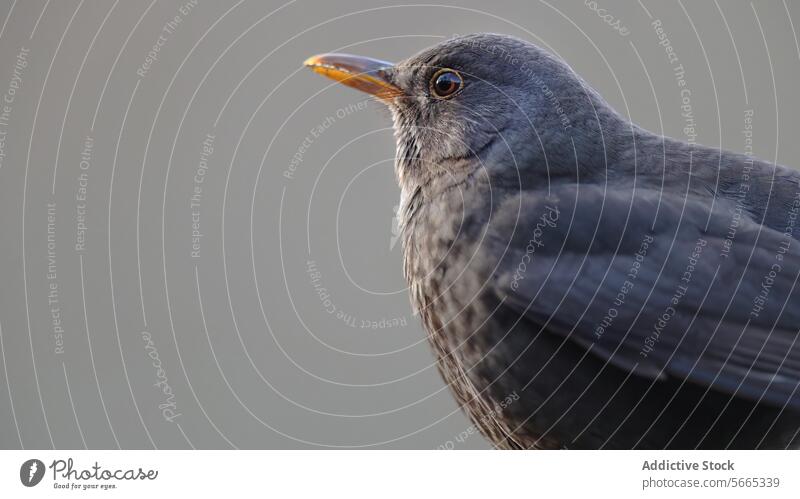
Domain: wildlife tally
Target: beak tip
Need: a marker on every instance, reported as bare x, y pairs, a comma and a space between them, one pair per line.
311, 61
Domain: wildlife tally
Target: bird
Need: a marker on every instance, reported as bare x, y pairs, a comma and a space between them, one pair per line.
585, 283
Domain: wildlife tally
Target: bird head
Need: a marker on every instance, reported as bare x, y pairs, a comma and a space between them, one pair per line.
482, 101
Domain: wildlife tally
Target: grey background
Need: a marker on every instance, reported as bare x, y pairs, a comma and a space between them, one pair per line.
253, 353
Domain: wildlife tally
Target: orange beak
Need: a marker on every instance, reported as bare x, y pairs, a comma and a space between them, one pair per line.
362, 73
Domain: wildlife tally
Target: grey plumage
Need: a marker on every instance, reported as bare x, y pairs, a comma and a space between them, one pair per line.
584, 282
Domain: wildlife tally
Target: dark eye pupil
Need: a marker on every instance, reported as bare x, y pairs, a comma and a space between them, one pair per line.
446, 84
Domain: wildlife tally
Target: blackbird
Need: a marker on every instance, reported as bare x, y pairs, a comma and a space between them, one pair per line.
586, 283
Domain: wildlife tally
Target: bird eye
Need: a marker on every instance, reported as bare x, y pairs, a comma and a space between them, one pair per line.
445, 83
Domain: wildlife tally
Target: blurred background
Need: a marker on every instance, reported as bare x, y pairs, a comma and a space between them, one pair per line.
199, 246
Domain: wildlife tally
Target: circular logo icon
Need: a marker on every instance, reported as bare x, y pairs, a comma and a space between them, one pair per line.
31, 472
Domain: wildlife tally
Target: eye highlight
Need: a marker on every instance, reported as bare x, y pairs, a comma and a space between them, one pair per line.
445, 83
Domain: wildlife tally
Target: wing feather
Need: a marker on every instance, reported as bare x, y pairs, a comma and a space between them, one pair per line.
658, 285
